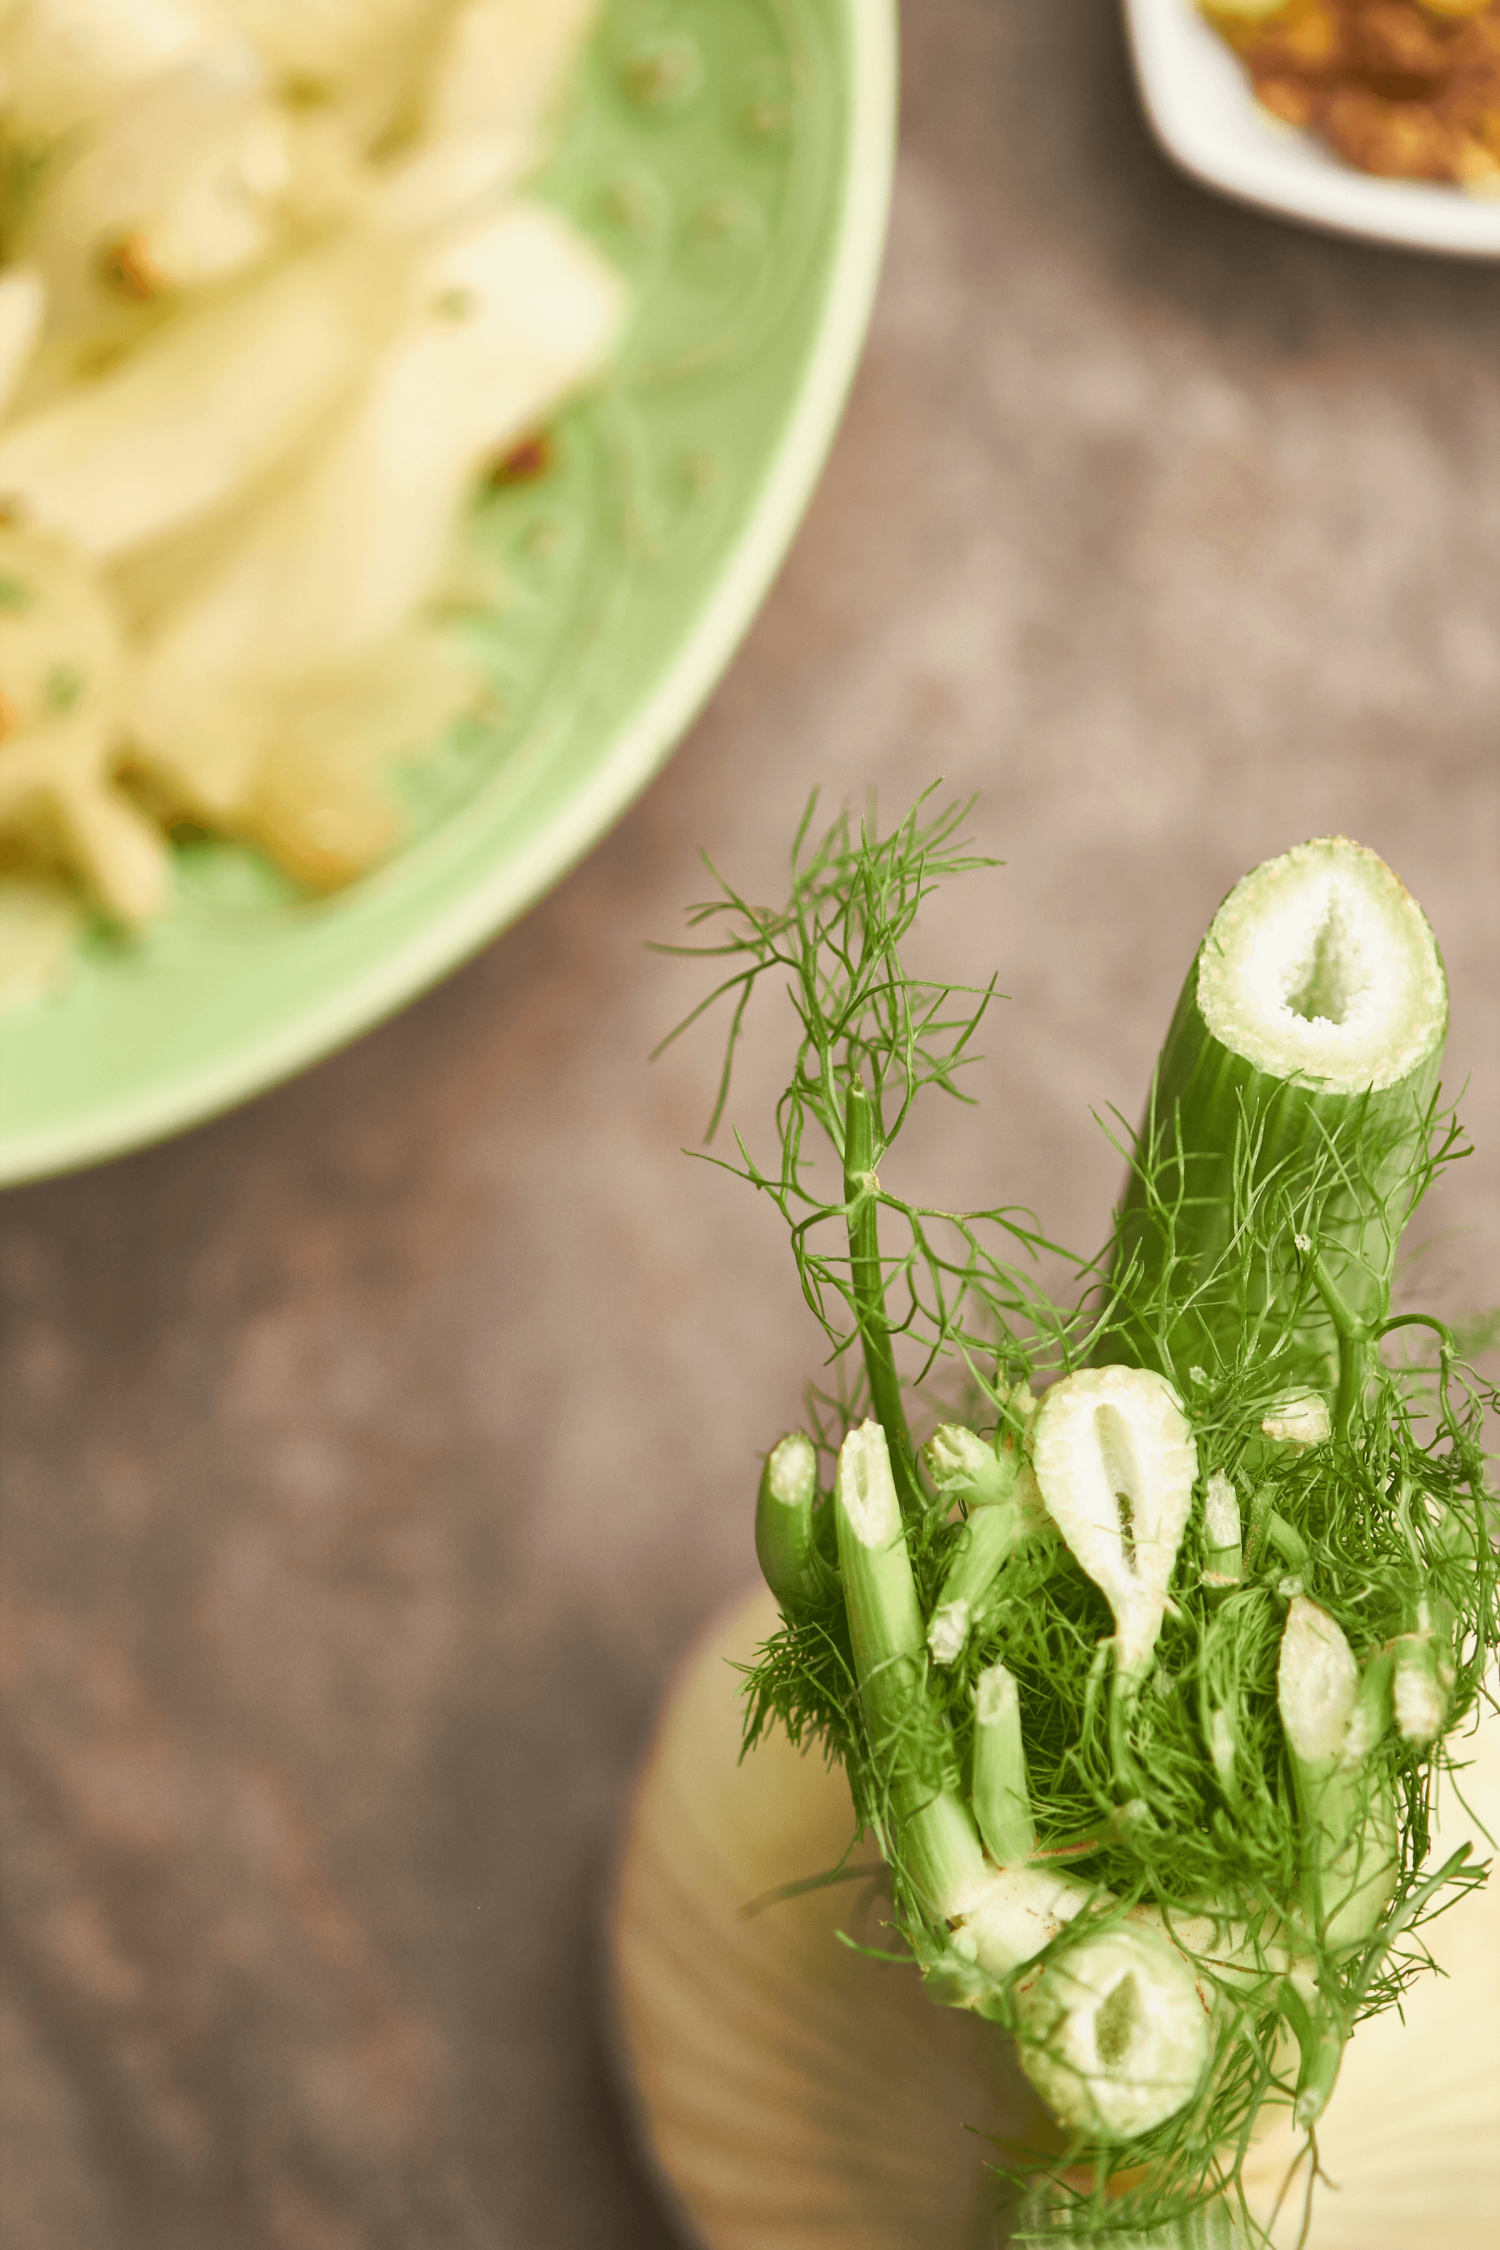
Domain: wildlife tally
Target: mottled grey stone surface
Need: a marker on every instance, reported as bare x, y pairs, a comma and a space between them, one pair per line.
370, 1456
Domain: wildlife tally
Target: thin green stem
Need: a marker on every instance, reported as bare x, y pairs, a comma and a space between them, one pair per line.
1321, 2030
1257, 1530
984, 1545
1289, 1545
1001, 1795
1357, 1346
861, 1195
1418, 1320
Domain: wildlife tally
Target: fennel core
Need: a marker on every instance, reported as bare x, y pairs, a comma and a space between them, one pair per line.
1142, 1666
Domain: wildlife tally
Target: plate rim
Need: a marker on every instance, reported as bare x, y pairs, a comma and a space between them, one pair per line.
1402, 214
484, 909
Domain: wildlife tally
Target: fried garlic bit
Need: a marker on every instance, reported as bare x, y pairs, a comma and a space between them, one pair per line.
1408, 89
61, 690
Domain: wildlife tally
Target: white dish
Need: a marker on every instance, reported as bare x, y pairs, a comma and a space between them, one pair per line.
1198, 100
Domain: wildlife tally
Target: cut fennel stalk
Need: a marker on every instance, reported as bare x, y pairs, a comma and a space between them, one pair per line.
1141, 1668
1300, 1071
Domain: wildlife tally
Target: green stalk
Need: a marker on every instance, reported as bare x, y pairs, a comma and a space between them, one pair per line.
1004, 1511
1373, 1708
1357, 1342
1288, 1544
1001, 1796
1269, 1528
988, 1540
1301, 1065
1223, 1555
1423, 1673
1347, 1822
930, 1834
861, 1195
1423, 1670
786, 1542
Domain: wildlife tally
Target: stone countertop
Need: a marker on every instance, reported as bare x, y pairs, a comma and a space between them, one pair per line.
371, 1455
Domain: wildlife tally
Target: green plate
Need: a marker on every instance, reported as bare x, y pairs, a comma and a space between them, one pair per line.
733, 158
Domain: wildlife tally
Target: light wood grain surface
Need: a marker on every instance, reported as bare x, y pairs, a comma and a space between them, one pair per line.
369, 1456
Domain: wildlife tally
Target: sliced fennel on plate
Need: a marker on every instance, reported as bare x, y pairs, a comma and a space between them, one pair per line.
270, 305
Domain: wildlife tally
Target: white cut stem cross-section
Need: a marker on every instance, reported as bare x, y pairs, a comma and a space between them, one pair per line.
1116, 1462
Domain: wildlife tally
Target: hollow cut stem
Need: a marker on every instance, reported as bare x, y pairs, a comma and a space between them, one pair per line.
1302, 1063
